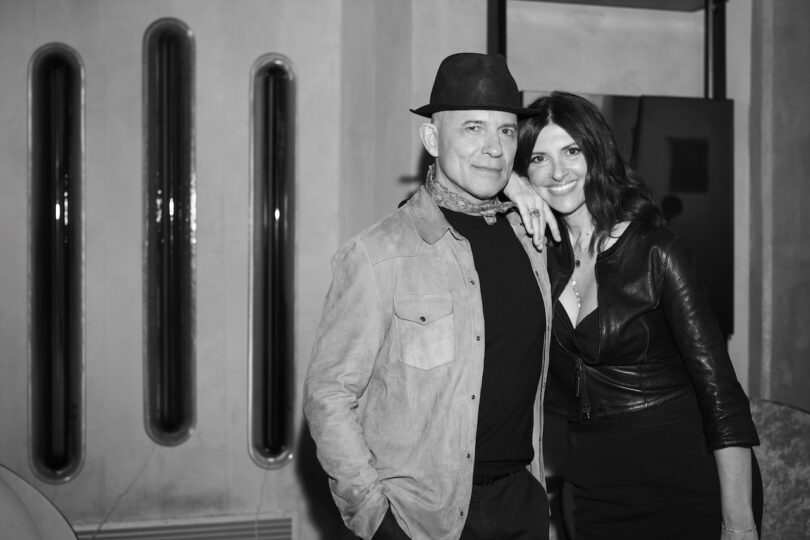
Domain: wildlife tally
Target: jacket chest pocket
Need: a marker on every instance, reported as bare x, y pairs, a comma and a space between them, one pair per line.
425, 329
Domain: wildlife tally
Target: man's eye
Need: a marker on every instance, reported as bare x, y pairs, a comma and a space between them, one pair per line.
508, 131
474, 128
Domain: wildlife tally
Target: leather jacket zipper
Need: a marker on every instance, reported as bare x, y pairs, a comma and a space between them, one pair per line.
584, 402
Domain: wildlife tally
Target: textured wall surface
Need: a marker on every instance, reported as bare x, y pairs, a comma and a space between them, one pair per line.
780, 191
126, 476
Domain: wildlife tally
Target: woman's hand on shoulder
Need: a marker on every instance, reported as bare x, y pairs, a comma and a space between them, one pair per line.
534, 211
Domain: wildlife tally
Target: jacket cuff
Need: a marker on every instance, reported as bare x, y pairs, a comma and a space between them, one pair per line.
365, 519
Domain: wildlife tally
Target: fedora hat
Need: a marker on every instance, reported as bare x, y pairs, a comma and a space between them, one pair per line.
467, 81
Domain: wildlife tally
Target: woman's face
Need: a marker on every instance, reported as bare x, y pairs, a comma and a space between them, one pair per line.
557, 170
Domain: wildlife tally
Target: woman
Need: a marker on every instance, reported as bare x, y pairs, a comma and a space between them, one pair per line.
659, 428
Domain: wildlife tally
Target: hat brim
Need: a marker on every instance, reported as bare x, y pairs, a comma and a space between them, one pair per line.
428, 110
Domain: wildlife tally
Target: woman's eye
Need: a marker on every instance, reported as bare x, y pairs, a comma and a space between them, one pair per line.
536, 159
574, 151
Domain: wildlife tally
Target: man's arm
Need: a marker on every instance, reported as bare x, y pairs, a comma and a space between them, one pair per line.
352, 328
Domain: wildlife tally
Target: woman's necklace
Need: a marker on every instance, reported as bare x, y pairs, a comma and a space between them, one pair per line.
576, 293
577, 264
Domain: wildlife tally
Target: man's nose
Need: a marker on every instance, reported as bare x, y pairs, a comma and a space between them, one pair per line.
493, 146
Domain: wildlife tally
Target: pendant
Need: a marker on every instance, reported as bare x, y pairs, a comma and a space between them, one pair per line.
577, 263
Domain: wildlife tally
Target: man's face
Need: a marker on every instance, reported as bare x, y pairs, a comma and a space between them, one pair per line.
475, 151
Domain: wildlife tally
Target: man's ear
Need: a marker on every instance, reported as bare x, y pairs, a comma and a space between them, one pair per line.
429, 133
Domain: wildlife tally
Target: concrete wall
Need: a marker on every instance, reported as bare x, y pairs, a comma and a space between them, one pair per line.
738, 73
126, 476
780, 192
600, 50
390, 55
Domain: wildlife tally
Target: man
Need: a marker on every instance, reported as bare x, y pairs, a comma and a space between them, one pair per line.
425, 388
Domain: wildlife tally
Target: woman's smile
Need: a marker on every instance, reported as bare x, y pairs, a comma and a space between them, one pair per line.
560, 189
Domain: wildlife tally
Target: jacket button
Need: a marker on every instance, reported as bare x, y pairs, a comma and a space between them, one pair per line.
468, 456
472, 282
461, 513
421, 319
477, 338
473, 396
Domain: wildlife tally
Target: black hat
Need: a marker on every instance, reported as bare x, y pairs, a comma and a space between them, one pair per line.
467, 81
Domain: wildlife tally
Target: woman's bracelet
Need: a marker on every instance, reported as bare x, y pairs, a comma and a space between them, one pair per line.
735, 531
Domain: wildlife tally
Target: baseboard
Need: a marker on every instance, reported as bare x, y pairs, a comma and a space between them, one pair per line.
208, 528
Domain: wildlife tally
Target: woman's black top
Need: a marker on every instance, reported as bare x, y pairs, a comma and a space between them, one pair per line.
658, 339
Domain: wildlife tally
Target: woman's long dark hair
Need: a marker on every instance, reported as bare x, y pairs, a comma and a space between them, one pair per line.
613, 191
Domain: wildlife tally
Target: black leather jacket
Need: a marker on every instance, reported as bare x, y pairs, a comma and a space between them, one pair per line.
658, 340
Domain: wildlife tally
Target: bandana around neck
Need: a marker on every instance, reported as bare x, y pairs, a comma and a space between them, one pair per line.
453, 201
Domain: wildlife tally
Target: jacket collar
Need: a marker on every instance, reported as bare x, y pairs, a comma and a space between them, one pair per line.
428, 218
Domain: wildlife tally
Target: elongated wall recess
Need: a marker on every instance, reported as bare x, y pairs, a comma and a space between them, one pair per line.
169, 231
56, 264
272, 267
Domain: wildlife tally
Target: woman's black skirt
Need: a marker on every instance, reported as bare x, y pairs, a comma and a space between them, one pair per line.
646, 475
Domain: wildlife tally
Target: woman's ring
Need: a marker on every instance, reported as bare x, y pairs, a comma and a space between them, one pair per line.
534, 212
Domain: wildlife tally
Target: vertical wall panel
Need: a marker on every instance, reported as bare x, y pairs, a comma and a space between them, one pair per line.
56, 262
272, 265
780, 223
170, 230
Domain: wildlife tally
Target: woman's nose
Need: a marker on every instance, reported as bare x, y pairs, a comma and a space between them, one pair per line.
558, 171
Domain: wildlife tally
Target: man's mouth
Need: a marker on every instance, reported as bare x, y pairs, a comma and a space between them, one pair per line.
491, 170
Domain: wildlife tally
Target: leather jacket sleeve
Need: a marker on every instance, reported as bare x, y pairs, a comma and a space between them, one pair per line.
699, 340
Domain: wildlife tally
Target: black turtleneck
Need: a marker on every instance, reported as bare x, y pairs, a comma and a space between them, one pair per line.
514, 330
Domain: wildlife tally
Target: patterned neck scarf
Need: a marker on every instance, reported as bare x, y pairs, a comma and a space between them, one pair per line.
450, 200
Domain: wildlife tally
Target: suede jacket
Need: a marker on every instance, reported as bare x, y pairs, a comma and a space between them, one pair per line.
391, 394
658, 339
